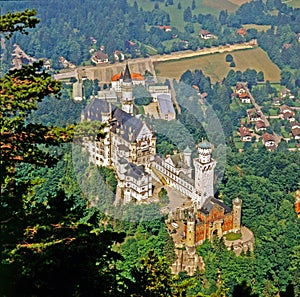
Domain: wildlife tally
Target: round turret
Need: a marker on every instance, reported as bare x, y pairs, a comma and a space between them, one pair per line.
187, 156
204, 150
237, 214
190, 232
237, 201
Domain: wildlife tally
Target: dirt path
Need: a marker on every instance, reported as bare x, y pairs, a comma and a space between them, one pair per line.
204, 51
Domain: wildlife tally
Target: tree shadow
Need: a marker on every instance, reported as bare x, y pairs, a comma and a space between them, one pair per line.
242, 290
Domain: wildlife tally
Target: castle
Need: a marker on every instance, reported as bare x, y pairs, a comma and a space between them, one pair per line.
130, 148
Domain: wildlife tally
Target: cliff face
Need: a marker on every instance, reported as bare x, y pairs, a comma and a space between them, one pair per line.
187, 260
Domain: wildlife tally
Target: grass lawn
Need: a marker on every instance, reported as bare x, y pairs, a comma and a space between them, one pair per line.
233, 236
273, 112
259, 28
150, 50
297, 103
202, 6
214, 65
239, 144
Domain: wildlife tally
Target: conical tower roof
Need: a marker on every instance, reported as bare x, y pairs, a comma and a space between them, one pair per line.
127, 75
204, 145
187, 150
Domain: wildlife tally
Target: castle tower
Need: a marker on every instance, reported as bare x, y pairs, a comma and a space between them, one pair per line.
190, 232
237, 214
204, 171
187, 156
126, 89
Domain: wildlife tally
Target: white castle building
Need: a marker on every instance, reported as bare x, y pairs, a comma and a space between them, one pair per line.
130, 148
177, 170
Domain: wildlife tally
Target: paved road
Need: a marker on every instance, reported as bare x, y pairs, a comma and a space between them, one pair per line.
105, 71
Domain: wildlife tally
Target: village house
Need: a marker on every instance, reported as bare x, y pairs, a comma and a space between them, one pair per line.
119, 56
254, 115
165, 28
296, 133
241, 93
93, 40
245, 98
286, 93
240, 89
99, 58
260, 126
295, 130
268, 141
241, 31
204, 34
277, 101
287, 113
245, 134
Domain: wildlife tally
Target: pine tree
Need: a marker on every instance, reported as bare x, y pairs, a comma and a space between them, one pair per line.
54, 247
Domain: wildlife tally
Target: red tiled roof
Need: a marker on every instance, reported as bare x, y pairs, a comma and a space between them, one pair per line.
285, 108
244, 131
134, 76
204, 32
296, 132
268, 137
100, 55
288, 115
243, 95
239, 86
241, 31
260, 124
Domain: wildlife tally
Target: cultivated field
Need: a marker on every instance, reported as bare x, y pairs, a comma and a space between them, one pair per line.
214, 65
293, 3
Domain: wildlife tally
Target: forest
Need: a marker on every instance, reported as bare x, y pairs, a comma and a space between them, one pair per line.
55, 243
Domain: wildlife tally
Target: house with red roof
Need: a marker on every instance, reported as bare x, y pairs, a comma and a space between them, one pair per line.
268, 141
99, 58
241, 31
254, 115
245, 134
287, 113
260, 126
204, 34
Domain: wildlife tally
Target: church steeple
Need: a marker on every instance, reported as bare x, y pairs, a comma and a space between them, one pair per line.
127, 74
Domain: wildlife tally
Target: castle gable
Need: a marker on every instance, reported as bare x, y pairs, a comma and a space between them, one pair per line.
97, 110
144, 132
131, 126
176, 161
